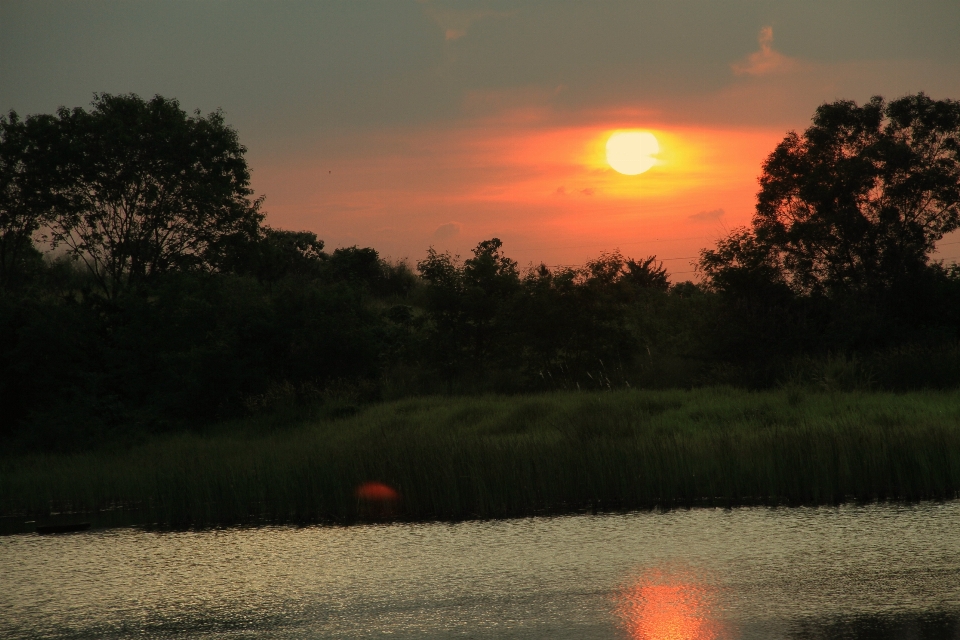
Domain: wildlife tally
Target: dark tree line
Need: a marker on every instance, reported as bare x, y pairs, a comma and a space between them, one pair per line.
166, 303
485, 317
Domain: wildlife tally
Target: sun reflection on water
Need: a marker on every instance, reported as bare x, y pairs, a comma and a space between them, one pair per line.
663, 605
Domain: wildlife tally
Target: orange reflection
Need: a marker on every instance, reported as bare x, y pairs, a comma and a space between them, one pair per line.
376, 491
661, 607
376, 501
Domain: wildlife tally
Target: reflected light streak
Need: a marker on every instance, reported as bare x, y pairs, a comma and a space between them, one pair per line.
657, 607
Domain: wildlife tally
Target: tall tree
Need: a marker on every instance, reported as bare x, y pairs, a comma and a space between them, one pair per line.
855, 203
490, 279
467, 301
140, 187
23, 189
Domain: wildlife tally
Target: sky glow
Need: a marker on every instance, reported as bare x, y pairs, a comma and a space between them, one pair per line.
401, 125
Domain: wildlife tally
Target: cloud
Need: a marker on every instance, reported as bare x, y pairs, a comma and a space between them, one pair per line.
447, 231
523, 105
587, 192
455, 22
707, 216
767, 60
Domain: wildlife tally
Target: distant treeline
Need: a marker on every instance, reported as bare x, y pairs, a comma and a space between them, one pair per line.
171, 305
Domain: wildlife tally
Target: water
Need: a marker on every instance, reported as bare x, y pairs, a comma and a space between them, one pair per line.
884, 571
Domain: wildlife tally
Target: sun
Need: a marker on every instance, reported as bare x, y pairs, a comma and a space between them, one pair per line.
632, 152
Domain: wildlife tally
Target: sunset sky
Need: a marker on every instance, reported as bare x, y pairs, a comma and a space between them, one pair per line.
401, 125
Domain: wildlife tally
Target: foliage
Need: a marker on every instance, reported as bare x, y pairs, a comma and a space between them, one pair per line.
274, 254
647, 274
137, 188
466, 301
215, 316
495, 456
855, 203
22, 194
556, 327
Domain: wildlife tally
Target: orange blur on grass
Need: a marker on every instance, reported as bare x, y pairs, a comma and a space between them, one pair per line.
376, 492
658, 607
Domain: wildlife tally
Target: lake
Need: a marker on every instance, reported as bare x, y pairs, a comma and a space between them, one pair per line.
875, 571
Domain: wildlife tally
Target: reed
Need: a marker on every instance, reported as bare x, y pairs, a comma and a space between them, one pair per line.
497, 456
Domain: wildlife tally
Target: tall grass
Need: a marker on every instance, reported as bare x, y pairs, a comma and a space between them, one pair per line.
457, 458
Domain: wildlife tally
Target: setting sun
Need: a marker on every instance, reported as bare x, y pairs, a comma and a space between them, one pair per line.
632, 152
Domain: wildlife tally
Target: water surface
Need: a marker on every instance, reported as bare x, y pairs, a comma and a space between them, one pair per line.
880, 571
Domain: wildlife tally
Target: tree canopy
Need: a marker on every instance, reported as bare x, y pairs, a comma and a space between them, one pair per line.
133, 188
855, 203
23, 197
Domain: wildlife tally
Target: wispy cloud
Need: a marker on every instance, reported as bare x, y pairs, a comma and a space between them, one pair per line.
456, 22
765, 61
707, 216
447, 231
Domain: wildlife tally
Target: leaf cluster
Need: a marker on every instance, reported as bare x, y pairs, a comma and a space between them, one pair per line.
485, 315
132, 188
853, 205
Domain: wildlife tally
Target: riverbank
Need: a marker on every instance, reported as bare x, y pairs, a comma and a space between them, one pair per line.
495, 456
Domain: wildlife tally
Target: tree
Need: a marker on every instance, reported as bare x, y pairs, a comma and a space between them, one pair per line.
613, 271
490, 280
468, 300
135, 188
854, 204
273, 254
22, 191
357, 266
647, 274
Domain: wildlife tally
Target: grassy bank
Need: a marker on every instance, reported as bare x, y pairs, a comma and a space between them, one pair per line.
455, 458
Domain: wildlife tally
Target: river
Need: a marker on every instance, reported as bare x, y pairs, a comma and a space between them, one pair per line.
875, 571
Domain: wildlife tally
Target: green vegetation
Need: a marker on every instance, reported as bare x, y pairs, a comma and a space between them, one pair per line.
163, 305
171, 306
495, 456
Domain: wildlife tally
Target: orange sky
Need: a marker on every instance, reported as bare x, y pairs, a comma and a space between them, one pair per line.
546, 191
527, 164
411, 123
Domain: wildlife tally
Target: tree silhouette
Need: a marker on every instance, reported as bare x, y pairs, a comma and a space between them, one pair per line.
467, 300
24, 187
490, 279
647, 274
135, 188
855, 203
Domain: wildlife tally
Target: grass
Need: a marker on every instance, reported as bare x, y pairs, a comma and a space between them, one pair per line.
496, 456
